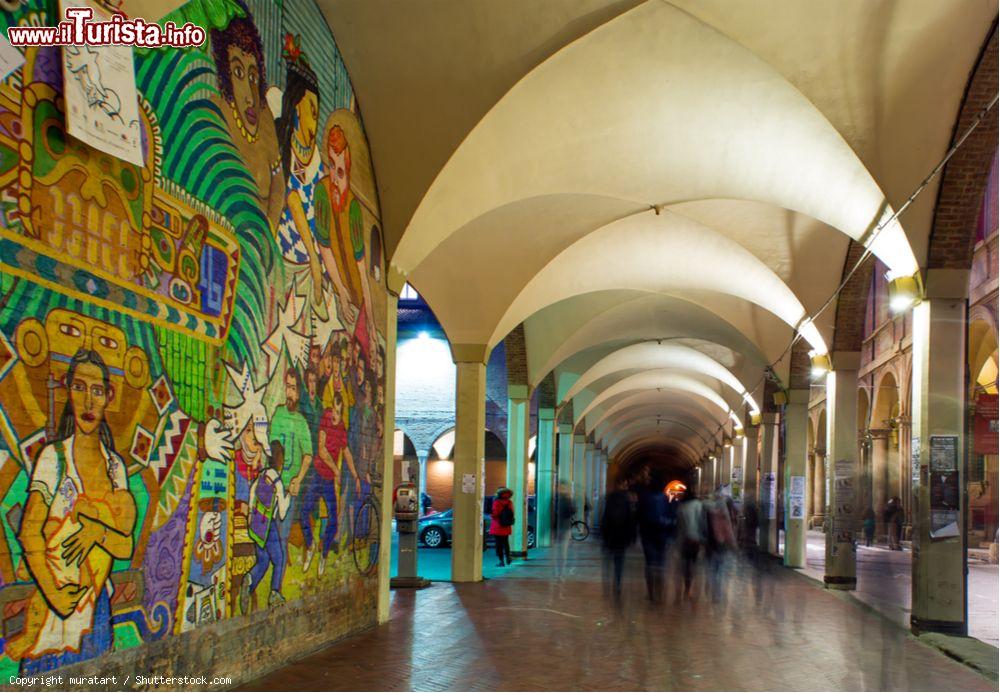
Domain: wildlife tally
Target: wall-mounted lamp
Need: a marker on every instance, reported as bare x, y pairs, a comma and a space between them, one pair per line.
780, 398
904, 293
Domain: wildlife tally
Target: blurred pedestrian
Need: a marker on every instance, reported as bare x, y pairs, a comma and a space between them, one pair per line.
893, 523
653, 532
565, 511
868, 524
691, 535
720, 542
617, 532
426, 503
502, 523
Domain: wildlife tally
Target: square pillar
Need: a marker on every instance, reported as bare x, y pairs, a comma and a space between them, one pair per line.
796, 476
385, 470
579, 473
545, 476
564, 437
842, 471
467, 489
517, 465
769, 483
939, 600
750, 464
736, 477
588, 482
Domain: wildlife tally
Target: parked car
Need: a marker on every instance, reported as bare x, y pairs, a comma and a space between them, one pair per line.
434, 530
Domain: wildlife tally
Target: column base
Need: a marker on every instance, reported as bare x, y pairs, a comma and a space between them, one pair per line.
402, 582
927, 625
518, 554
840, 582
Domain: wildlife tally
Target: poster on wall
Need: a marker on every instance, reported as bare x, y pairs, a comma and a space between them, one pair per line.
102, 101
737, 484
944, 487
10, 57
797, 498
986, 434
915, 463
843, 500
768, 488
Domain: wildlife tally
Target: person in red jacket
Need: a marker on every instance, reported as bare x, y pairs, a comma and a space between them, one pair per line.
502, 523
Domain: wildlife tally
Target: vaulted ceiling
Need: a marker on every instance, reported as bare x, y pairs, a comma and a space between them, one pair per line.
661, 192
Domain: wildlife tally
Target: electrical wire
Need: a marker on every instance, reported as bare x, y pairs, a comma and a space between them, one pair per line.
769, 369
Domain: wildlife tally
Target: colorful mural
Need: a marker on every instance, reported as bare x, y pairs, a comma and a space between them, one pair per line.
191, 351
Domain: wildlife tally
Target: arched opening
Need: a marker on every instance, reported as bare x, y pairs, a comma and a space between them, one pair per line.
819, 491
884, 426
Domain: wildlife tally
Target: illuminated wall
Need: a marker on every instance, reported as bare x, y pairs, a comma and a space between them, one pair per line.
191, 350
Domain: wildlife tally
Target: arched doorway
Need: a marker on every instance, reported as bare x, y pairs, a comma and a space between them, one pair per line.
819, 493
884, 427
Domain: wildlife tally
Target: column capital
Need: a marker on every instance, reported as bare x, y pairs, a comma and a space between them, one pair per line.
845, 360
469, 353
518, 391
946, 283
546, 414
879, 432
565, 428
579, 439
799, 396
394, 279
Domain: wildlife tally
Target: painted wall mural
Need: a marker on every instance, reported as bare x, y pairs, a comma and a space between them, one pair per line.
191, 351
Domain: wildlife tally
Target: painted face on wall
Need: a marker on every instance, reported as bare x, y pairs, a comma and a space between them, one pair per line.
245, 77
90, 397
307, 118
338, 170
249, 441
291, 390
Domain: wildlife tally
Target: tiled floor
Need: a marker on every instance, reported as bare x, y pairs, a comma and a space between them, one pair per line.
775, 630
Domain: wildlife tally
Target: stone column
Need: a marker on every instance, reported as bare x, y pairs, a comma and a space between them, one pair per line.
750, 466
544, 476
467, 491
587, 478
388, 436
819, 486
518, 420
939, 598
842, 471
906, 471
565, 452
422, 456
769, 483
739, 462
579, 472
880, 479
796, 476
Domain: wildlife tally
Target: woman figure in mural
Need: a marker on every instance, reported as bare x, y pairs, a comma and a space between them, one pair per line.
301, 163
78, 518
242, 76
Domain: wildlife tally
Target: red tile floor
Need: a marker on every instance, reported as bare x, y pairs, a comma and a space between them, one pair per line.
529, 630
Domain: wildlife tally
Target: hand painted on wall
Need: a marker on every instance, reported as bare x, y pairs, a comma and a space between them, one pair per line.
191, 351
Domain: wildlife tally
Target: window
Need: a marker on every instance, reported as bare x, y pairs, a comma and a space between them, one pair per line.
408, 293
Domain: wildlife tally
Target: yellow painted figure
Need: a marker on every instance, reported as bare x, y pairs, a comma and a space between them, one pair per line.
78, 518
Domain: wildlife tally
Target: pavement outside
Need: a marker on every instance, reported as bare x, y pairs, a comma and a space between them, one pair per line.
884, 581
533, 630
435, 564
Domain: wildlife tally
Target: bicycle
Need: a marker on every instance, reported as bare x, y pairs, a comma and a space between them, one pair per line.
579, 530
368, 530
